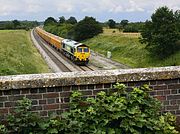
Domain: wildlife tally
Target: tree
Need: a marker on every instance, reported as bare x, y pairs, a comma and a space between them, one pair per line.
62, 19
50, 21
16, 23
111, 23
161, 33
87, 28
72, 20
124, 23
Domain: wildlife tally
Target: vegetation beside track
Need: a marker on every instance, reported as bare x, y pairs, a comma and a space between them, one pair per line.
128, 50
18, 55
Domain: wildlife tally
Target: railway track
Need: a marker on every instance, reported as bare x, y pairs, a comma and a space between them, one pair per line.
52, 55
60, 60
87, 68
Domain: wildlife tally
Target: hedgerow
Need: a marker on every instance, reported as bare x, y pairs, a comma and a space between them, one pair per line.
117, 111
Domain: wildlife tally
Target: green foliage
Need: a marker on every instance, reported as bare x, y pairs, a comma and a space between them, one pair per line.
161, 33
127, 49
64, 30
3, 129
116, 111
72, 20
23, 120
62, 20
124, 23
15, 24
50, 21
111, 23
130, 29
87, 28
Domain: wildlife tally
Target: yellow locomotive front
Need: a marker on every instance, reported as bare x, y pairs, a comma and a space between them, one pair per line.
77, 52
82, 54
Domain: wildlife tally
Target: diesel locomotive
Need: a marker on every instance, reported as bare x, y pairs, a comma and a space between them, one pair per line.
75, 51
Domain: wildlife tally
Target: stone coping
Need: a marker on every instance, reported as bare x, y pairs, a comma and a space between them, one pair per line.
89, 77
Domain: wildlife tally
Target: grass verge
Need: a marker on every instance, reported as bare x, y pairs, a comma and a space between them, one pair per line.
128, 50
18, 55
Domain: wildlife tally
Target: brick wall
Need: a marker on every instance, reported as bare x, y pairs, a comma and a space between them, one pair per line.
50, 92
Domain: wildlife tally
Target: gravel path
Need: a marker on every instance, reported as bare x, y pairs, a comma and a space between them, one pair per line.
104, 63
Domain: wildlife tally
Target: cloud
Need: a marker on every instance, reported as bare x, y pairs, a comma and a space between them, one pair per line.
44, 8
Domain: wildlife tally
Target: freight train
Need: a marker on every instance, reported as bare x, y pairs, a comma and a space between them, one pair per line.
75, 51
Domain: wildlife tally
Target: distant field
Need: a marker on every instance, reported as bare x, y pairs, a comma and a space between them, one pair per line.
128, 50
18, 55
116, 32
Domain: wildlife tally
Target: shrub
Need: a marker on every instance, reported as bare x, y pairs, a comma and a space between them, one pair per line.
23, 121
118, 110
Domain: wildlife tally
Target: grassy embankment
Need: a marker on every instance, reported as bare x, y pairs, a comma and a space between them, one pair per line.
126, 49
18, 55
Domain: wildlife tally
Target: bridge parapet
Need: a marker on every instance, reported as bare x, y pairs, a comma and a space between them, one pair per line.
50, 92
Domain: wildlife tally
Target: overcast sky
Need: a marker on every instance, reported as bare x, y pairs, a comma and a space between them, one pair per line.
102, 10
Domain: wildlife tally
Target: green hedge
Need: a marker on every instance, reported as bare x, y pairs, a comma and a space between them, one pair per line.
116, 111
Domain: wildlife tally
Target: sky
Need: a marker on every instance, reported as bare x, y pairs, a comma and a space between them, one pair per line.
102, 10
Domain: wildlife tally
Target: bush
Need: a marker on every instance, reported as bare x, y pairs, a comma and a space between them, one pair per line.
115, 111
130, 29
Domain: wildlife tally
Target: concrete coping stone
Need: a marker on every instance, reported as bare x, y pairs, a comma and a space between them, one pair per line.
88, 78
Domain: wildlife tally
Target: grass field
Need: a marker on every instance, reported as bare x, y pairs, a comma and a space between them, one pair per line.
128, 50
18, 55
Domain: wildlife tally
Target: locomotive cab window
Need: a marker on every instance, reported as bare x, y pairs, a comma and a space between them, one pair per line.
86, 50
63, 45
79, 49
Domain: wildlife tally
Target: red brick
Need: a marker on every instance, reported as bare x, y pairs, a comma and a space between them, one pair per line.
83, 87
10, 104
178, 101
174, 86
178, 113
152, 82
173, 102
2, 99
173, 97
65, 94
42, 101
36, 108
161, 97
65, 106
160, 92
34, 96
152, 93
51, 95
53, 106
25, 91
88, 92
90, 86
4, 111
174, 107
99, 86
43, 113
166, 92
165, 102
66, 88
15, 98
174, 91
1, 105
160, 87
51, 101
107, 85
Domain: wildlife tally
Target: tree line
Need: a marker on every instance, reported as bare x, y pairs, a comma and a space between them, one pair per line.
15, 24
70, 28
